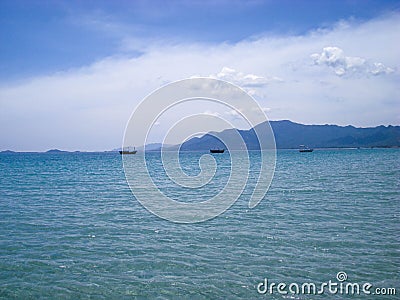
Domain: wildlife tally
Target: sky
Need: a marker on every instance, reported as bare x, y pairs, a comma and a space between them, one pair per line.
72, 72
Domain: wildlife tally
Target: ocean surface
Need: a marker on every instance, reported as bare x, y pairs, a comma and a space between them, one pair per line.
70, 228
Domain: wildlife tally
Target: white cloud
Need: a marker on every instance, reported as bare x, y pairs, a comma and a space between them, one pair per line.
266, 109
212, 113
244, 80
334, 57
87, 108
379, 68
233, 113
251, 83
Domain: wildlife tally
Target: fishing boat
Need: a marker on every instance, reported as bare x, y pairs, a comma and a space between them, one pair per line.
217, 150
305, 149
128, 150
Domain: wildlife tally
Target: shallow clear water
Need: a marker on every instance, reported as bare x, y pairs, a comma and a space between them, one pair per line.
70, 228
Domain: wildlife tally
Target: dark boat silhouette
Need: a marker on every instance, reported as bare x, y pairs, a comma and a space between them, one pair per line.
128, 151
217, 150
305, 149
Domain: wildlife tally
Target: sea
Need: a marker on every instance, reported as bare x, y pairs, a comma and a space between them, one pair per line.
70, 228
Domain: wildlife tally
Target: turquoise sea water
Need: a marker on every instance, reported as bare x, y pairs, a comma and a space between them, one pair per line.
70, 228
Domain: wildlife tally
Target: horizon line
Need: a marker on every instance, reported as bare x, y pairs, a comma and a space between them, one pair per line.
143, 146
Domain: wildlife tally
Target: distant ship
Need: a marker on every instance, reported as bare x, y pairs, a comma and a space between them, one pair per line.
217, 150
128, 151
305, 149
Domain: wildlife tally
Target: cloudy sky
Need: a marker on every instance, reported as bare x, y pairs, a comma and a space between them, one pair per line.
72, 72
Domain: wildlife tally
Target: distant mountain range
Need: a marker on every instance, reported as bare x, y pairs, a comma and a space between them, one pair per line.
289, 135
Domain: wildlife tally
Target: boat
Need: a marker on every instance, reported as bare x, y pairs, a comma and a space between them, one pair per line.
128, 151
305, 149
217, 150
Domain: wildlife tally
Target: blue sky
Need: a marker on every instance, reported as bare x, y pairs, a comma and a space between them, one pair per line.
39, 37
80, 67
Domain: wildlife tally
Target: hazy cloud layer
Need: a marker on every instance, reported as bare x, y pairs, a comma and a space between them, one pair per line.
351, 78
